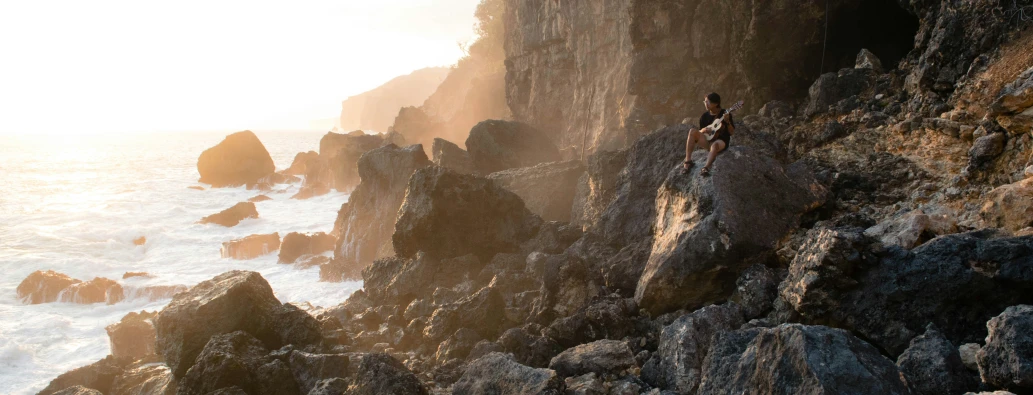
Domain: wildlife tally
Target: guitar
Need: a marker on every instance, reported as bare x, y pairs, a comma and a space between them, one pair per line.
711, 130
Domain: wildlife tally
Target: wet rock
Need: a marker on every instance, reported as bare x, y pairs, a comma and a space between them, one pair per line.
155, 379
233, 215
311, 190
986, 148
136, 274
302, 161
78, 390
1007, 358
132, 338
686, 342
911, 229
458, 345
448, 155
498, 373
239, 360
755, 291
196, 187
499, 145
98, 376
309, 260
365, 224
310, 370
795, 359
251, 247
297, 244
98, 290
1009, 206
867, 60
447, 214
932, 365
600, 357
232, 301
380, 374
139, 241
709, 228
547, 188
154, 292
259, 198
830, 88
43, 286
238, 160
597, 187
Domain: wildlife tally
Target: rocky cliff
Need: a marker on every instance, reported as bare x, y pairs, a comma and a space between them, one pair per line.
376, 109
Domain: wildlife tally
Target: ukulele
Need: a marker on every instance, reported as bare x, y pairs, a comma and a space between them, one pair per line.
711, 130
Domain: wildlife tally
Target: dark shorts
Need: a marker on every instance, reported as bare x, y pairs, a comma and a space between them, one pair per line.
724, 137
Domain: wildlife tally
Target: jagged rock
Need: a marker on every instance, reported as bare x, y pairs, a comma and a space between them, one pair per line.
568, 285
830, 88
776, 109
685, 343
448, 155
797, 359
599, 357
482, 348
968, 353
301, 163
233, 215
597, 187
297, 244
587, 384
553, 237
1014, 104
310, 370
334, 386
239, 360
232, 301
547, 188
888, 301
400, 280
606, 318
380, 374
155, 292
132, 338
933, 366
623, 269
98, 376
986, 148
447, 214
708, 229
911, 229
498, 373
98, 290
311, 190
340, 154
990, 393
483, 312
238, 160
499, 145
1007, 358
309, 260
144, 380
1009, 206
43, 286
251, 247
458, 345
78, 390
528, 346
867, 60
365, 224
755, 290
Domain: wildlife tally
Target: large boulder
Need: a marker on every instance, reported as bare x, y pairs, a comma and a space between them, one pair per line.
499, 145
251, 247
309, 369
98, 290
232, 301
233, 215
1007, 358
686, 342
400, 280
239, 159
597, 187
912, 228
302, 162
43, 286
830, 88
797, 359
381, 374
547, 188
132, 338
498, 373
600, 357
340, 154
239, 360
1009, 206
297, 244
447, 154
932, 365
447, 214
708, 229
365, 224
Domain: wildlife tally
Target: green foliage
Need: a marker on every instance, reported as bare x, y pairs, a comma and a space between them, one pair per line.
488, 47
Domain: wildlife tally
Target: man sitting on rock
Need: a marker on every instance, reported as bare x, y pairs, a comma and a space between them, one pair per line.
721, 137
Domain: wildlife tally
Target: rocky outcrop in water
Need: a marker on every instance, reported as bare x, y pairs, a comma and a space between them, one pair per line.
238, 160
297, 244
233, 215
251, 247
43, 286
132, 338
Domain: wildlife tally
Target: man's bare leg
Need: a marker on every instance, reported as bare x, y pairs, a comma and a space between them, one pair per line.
694, 138
715, 148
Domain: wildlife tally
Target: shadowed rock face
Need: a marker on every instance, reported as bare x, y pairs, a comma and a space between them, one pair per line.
132, 338
238, 160
97, 376
797, 359
447, 154
297, 244
251, 247
447, 214
932, 365
547, 189
1007, 359
379, 373
686, 342
1010, 206
498, 373
499, 145
599, 357
239, 360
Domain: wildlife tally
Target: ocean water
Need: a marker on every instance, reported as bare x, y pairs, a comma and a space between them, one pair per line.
75, 205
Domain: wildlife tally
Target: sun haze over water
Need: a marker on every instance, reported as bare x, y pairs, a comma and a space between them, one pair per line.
76, 67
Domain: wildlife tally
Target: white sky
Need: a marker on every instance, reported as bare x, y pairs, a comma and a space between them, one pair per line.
83, 66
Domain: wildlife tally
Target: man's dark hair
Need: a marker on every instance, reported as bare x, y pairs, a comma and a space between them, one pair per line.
714, 98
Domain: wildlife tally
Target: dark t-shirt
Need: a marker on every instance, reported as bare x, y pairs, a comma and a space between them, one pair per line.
722, 133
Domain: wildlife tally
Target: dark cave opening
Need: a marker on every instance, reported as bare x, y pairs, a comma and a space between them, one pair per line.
881, 26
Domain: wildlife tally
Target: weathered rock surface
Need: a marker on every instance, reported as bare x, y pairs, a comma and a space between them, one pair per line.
1007, 358
145, 379
310, 369
98, 376
301, 163
830, 88
233, 215
366, 222
1009, 206
238, 360
98, 290
447, 214
340, 154
400, 280
297, 244
78, 390
380, 373
797, 359
251, 247
547, 189
447, 154
499, 145
932, 365
43, 286
686, 342
708, 229
912, 229
498, 373
599, 357
311, 190
597, 187
238, 160
756, 290
132, 338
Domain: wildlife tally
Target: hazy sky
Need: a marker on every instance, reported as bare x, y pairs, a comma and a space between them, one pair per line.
80, 66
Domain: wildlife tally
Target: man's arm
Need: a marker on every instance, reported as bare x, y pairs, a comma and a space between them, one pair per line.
729, 124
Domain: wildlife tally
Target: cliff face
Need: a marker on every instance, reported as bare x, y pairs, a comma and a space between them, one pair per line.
376, 109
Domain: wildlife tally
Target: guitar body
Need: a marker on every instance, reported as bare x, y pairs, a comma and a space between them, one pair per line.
711, 131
